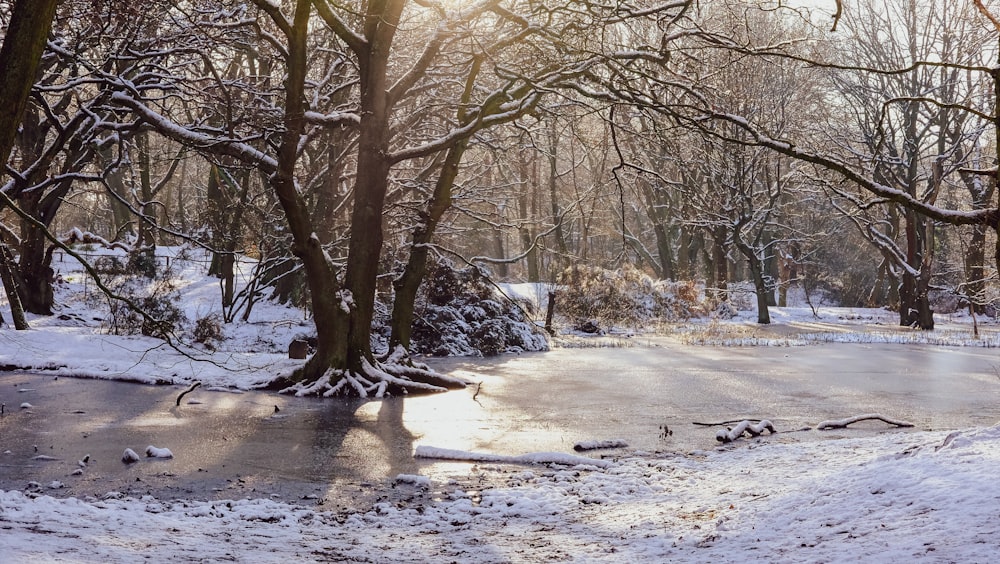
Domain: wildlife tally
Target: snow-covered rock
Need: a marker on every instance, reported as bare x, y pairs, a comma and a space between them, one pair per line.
154, 452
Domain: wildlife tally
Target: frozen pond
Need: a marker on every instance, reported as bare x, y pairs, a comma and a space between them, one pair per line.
230, 445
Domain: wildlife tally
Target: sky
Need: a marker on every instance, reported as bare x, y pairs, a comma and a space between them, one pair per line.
917, 496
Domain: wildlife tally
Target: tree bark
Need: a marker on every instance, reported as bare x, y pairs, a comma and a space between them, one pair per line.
20, 55
30, 22
720, 264
408, 283
563, 258
11, 288
320, 277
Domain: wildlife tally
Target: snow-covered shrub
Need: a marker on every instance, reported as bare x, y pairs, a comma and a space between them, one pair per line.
208, 330
159, 299
741, 296
109, 264
725, 310
460, 313
623, 297
142, 262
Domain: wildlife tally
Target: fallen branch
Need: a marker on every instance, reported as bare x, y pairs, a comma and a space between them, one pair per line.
187, 391
842, 423
745, 427
722, 423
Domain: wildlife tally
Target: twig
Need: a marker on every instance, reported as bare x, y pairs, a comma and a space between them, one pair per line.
475, 395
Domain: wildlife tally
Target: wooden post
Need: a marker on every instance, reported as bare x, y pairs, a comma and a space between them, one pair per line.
549, 310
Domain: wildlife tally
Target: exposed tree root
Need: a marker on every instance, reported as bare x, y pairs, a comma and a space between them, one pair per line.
397, 374
843, 423
745, 427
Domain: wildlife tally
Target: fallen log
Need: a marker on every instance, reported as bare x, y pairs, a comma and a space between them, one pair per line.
843, 423
596, 445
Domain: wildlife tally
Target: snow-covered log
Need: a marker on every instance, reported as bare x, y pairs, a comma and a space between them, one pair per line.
595, 445
842, 423
75, 235
529, 458
744, 428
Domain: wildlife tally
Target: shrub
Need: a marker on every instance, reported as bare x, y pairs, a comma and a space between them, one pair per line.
460, 313
158, 299
142, 262
109, 264
208, 330
623, 297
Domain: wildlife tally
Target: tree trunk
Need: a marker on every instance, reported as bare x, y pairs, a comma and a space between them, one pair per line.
11, 288
27, 32
756, 265
331, 322
563, 257
655, 211
975, 271
143, 256
762, 290
34, 274
503, 271
684, 261
770, 270
343, 315
528, 240
720, 264
20, 55
408, 283
115, 183
215, 206
147, 225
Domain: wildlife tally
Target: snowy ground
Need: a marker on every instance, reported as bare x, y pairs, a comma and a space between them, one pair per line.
891, 498
926, 496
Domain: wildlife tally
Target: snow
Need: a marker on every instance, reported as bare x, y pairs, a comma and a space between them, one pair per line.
891, 497
156, 452
129, 456
595, 445
75, 342
744, 428
839, 423
925, 496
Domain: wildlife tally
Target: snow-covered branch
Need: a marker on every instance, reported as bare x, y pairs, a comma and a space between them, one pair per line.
214, 145
842, 423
